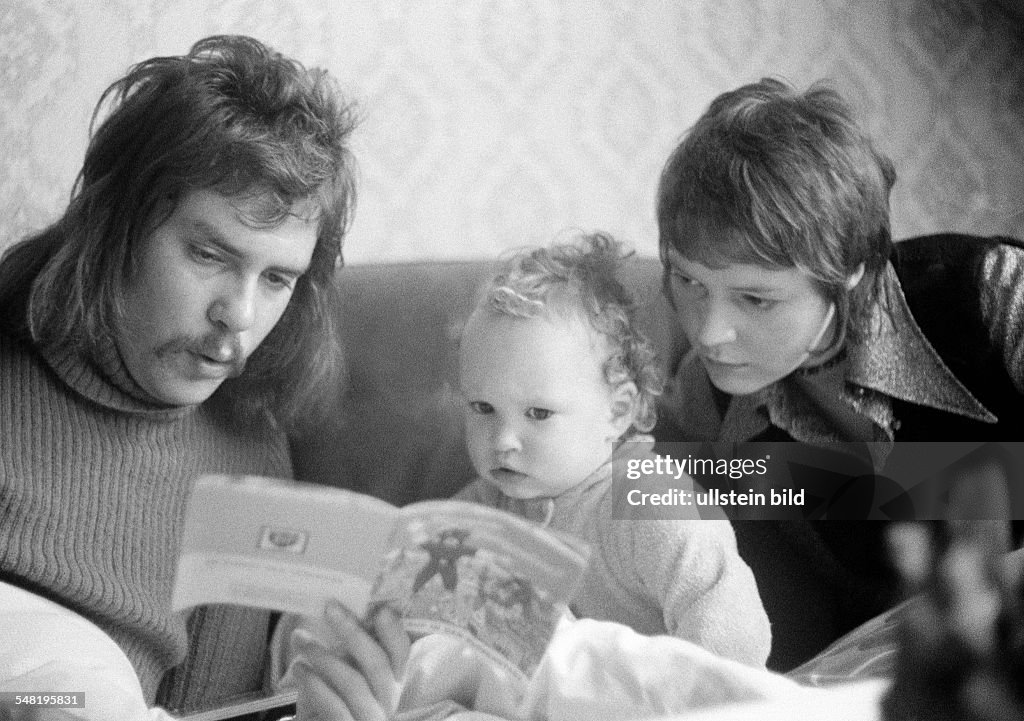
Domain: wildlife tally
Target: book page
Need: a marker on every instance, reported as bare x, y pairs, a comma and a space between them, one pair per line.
280, 545
489, 577
266, 707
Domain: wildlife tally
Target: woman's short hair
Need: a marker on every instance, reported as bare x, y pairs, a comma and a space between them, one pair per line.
235, 117
579, 281
775, 177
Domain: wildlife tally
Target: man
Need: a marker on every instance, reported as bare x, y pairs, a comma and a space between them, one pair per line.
177, 320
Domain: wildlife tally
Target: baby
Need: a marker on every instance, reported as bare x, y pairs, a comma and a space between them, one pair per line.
556, 377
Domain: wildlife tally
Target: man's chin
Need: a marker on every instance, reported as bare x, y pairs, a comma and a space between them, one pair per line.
185, 394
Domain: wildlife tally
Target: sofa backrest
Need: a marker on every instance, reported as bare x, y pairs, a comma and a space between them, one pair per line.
400, 431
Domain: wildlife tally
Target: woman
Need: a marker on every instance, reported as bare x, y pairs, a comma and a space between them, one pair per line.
807, 323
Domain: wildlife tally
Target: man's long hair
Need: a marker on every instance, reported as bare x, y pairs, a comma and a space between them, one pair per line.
231, 116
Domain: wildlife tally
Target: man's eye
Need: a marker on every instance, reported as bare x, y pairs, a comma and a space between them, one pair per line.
539, 414
203, 254
481, 407
284, 282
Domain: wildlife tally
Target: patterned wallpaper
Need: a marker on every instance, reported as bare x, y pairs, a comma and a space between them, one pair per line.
493, 123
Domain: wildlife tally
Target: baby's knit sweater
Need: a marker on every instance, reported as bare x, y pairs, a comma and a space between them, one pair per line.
684, 578
93, 486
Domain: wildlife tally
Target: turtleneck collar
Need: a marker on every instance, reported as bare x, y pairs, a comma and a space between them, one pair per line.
105, 381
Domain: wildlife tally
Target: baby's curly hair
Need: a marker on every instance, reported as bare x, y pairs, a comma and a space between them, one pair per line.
578, 280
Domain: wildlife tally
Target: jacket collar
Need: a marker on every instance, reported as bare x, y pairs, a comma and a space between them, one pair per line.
901, 363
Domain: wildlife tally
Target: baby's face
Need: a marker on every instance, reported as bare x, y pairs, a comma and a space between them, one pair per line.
540, 416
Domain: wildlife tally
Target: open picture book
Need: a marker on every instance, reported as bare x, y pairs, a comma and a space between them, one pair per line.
496, 580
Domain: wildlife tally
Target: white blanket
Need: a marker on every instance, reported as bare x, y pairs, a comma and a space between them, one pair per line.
599, 671
593, 671
44, 647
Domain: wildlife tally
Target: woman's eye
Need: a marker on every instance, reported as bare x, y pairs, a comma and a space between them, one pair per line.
683, 279
481, 407
539, 414
759, 302
685, 283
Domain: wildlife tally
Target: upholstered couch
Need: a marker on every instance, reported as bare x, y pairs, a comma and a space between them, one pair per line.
399, 435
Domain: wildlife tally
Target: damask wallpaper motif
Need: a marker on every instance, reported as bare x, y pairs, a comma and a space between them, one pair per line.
493, 123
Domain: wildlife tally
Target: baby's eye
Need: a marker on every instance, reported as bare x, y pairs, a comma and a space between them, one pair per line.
538, 414
481, 407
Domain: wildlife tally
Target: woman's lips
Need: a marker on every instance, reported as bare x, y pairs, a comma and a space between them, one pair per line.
507, 475
725, 365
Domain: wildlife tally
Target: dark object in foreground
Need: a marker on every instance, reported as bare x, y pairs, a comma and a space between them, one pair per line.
961, 652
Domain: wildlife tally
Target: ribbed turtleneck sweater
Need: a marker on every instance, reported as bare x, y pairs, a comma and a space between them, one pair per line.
93, 485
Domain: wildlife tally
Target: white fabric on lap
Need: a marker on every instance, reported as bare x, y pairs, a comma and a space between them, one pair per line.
48, 648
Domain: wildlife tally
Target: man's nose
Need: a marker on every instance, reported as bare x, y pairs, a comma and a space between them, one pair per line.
234, 308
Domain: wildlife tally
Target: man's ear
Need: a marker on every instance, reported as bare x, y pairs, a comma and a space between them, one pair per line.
623, 406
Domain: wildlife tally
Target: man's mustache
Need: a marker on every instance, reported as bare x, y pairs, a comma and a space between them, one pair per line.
219, 348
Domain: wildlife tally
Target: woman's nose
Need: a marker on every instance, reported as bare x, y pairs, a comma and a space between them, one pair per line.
715, 326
